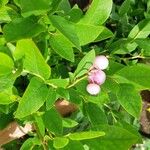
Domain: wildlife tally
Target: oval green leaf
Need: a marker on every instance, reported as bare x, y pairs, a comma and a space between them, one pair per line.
60, 142
85, 135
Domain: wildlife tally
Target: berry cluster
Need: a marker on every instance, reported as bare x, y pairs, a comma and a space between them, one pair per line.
96, 76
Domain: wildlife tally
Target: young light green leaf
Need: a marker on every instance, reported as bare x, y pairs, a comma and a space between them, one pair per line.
22, 28
53, 121
6, 64
141, 30
97, 13
88, 33
7, 81
85, 64
6, 97
33, 98
60, 142
130, 99
69, 123
61, 45
7, 14
33, 60
85, 135
67, 28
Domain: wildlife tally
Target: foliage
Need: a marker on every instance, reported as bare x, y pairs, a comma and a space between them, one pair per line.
46, 50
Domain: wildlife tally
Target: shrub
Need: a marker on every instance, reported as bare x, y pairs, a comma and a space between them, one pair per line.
47, 49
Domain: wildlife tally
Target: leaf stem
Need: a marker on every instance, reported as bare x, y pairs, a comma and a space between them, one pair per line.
78, 80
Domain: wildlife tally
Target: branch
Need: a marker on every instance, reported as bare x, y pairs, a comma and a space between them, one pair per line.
15, 131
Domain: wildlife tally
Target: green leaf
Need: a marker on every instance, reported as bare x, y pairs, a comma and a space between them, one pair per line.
85, 135
75, 14
114, 67
54, 5
67, 28
6, 64
2, 47
7, 14
95, 114
6, 97
123, 46
141, 30
101, 98
40, 124
98, 12
105, 34
51, 98
30, 143
60, 142
22, 28
145, 45
69, 123
59, 82
33, 98
138, 74
74, 96
62, 46
85, 63
3, 2
115, 138
33, 61
63, 93
74, 145
124, 7
130, 99
88, 33
5, 119
131, 128
33, 7
7, 81
111, 85
53, 121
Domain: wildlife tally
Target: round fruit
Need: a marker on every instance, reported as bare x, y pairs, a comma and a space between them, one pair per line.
97, 76
93, 89
101, 62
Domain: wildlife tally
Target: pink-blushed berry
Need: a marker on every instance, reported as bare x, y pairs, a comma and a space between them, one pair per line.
93, 89
96, 76
101, 62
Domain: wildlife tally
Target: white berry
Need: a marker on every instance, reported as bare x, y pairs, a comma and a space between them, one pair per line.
101, 62
93, 89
